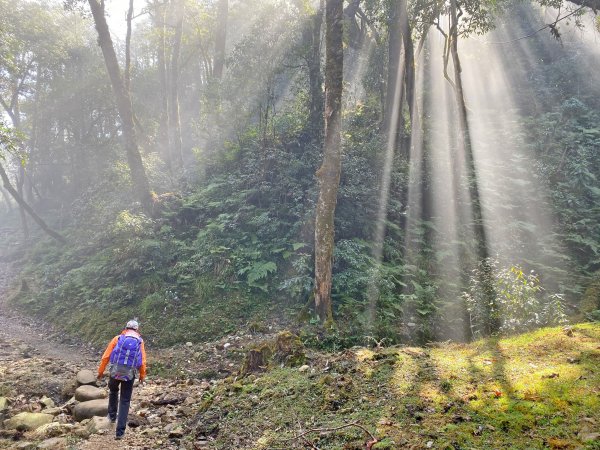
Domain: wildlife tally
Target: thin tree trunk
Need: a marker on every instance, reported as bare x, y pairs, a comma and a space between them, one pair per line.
394, 99
465, 138
328, 175
163, 124
33, 138
138, 175
315, 77
220, 38
128, 48
409, 57
465, 143
174, 119
15, 116
19, 199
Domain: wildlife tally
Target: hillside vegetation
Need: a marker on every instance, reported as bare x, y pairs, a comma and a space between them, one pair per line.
208, 224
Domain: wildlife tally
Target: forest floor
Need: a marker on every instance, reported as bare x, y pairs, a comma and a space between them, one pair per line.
533, 391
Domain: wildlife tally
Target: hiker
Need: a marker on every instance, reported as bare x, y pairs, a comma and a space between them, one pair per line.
126, 355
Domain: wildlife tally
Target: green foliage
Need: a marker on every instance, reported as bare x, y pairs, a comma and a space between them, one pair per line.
512, 298
231, 235
8, 141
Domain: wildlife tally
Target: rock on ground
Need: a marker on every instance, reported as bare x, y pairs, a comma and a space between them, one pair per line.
28, 421
97, 424
89, 409
86, 377
88, 392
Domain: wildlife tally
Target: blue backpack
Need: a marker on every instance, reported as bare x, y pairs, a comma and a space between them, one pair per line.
126, 358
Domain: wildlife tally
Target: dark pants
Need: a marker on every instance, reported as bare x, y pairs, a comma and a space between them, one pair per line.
123, 402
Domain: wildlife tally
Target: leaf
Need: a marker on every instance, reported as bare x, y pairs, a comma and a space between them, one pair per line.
260, 270
298, 245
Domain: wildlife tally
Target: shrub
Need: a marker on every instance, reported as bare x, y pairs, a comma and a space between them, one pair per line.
509, 300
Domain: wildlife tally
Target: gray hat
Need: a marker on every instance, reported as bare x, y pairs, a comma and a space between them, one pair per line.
133, 324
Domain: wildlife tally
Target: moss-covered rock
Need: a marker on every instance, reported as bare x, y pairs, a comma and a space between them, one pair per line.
26, 421
289, 349
257, 359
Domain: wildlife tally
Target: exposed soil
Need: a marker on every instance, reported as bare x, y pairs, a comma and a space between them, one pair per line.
36, 360
33, 337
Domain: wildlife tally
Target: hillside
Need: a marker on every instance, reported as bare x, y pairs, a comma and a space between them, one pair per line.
534, 391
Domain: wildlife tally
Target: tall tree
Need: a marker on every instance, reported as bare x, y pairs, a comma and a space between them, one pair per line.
401, 73
128, 47
220, 38
315, 78
174, 119
394, 98
328, 175
159, 24
138, 174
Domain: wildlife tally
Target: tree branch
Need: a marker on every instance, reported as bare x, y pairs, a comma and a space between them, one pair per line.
552, 26
28, 208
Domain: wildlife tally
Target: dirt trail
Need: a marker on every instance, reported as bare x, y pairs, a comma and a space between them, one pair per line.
33, 337
37, 360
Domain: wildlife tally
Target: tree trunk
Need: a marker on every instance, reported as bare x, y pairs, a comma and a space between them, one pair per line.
465, 143
19, 199
220, 38
328, 175
15, 116
464, 135
174, 119
315, 78
138, 175
128, 48
394, 99
409, 57
161, 60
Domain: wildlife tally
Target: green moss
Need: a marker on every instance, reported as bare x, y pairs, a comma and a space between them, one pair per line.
385, 444
289, 349
496, 394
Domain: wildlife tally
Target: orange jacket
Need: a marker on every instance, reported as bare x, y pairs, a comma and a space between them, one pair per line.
111, 345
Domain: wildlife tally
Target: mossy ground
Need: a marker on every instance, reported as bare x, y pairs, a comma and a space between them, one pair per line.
533, 391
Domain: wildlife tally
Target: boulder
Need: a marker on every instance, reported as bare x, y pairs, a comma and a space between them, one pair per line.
98, 424
54, 411
27, 421
86, 377
47, 402
89, 409
52, 429
80, 431
88, 392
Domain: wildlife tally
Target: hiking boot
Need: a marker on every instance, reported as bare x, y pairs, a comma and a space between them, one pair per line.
111, 419
118, 437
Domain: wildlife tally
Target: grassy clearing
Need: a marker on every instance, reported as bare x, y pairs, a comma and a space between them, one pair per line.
534, 391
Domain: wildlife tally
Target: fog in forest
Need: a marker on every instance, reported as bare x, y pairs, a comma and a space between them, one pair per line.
190, 147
